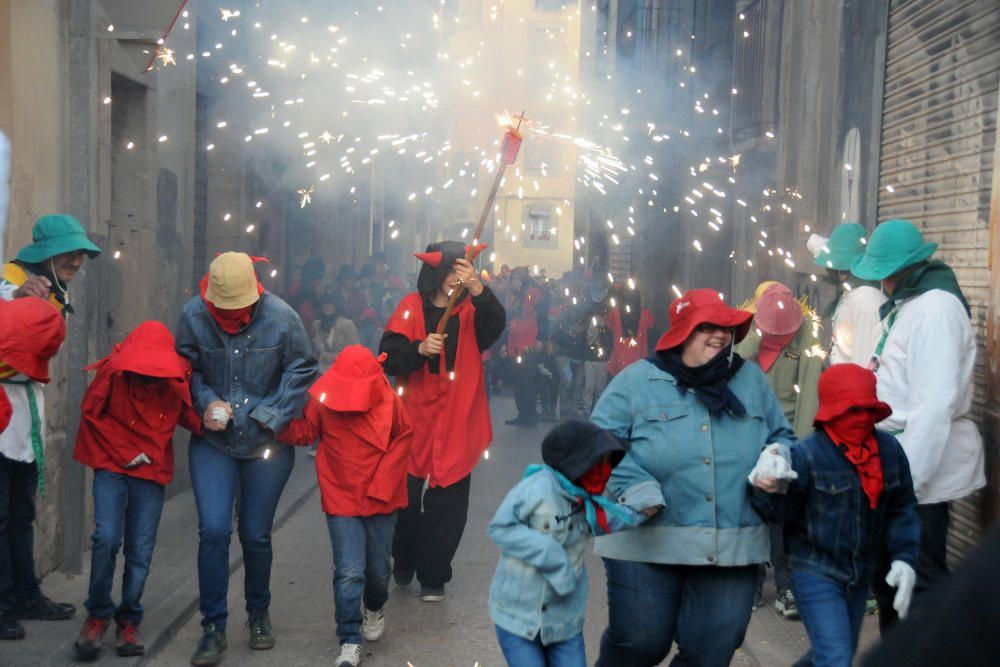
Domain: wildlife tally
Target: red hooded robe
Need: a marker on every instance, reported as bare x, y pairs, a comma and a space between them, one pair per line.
364, 437
450, 412
125, 415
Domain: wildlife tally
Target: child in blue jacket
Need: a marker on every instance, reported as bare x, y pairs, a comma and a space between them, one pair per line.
543, 528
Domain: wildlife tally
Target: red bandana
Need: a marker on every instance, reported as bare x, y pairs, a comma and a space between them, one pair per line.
593, 482
854, 433
230, 321
771, 347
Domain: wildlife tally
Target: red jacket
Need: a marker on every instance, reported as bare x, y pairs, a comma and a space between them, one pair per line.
362, 456
628, 349
140, 394
450, 412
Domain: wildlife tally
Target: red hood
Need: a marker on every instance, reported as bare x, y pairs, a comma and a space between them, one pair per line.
33, 331
149, 350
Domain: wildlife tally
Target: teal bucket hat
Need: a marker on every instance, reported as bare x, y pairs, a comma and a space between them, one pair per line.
55, 234
894, 245
846, 243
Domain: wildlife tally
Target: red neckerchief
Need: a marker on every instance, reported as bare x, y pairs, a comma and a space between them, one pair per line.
771, 347
593, 482
229, 320
854, 433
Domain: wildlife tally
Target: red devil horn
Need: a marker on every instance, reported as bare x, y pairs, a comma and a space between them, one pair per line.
255, 259
477, 250
430, 258
382, 357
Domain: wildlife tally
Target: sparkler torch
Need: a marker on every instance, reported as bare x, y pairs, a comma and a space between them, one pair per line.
508, 155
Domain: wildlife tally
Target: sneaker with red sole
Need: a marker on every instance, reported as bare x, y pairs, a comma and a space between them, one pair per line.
128, 641
88, 642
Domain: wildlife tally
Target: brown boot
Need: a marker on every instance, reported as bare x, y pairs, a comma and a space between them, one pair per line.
88, 642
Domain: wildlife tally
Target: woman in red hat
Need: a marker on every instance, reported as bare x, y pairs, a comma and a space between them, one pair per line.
847, 489
364, 447
443, 386
697, 418
140, 394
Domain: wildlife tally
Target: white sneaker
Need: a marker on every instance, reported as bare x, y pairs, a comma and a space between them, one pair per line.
373, 624
350, 656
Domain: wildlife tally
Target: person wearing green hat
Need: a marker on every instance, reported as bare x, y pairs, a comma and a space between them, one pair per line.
854, 318
47, 266
924, 363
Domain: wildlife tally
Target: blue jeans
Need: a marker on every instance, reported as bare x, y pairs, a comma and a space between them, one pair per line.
832, 614
125, 508
705, 609
362, 547
521, 652
216, 477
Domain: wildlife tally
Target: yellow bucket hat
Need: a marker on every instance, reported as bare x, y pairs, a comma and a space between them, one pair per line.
232, 282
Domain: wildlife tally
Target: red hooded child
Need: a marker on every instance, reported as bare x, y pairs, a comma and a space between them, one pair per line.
141, 393
364, 436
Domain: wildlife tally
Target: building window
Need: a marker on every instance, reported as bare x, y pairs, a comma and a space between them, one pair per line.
549, 5
540, 227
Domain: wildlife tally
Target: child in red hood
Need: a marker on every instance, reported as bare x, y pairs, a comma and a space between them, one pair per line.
32, 331
364, 447
140, 394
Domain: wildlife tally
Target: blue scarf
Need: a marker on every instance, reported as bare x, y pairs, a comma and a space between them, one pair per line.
590, 502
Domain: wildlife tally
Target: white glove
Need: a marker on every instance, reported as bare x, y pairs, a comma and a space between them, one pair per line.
772, 465
816, 244
142, 458
901, 577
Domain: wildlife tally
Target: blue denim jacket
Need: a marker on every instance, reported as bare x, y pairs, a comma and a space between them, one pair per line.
693, 463
540, 585
830, 529
263, 371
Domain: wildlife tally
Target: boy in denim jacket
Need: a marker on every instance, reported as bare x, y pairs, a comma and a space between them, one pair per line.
841, 493
543, 528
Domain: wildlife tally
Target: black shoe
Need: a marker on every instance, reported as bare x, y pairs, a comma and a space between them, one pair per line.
9, 627
431, 593
210, 648
402, 578
43, 609
260, 630
521, 421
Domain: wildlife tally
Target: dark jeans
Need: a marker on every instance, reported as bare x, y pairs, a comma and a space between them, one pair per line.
706, 610
429, 529
521, 652
548, 387
18, 583
832, 614
216, 477
932, 563
361, 568
525, 378
125, 508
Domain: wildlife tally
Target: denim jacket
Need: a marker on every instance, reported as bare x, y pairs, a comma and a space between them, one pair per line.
693, 463
830, 529
540, 585
263, 371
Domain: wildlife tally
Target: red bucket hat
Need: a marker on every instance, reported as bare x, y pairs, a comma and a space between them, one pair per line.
845, 386
699, 306
355, 383
32, 332
778, 313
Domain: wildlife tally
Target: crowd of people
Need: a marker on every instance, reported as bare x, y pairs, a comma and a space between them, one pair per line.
744, 437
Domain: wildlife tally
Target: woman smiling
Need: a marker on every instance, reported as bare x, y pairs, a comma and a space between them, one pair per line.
697, 418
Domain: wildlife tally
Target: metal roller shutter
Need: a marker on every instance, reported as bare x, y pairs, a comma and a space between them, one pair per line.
938, 136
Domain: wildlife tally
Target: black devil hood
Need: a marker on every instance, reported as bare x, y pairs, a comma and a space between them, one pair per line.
573, 448
444, 253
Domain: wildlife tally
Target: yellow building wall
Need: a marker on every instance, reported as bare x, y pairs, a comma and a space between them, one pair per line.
520, 58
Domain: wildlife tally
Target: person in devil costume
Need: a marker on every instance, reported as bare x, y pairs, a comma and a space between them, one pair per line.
448, 407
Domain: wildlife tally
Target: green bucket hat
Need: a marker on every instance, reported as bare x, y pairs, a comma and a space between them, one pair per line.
845, 244
894, 245
55, 234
